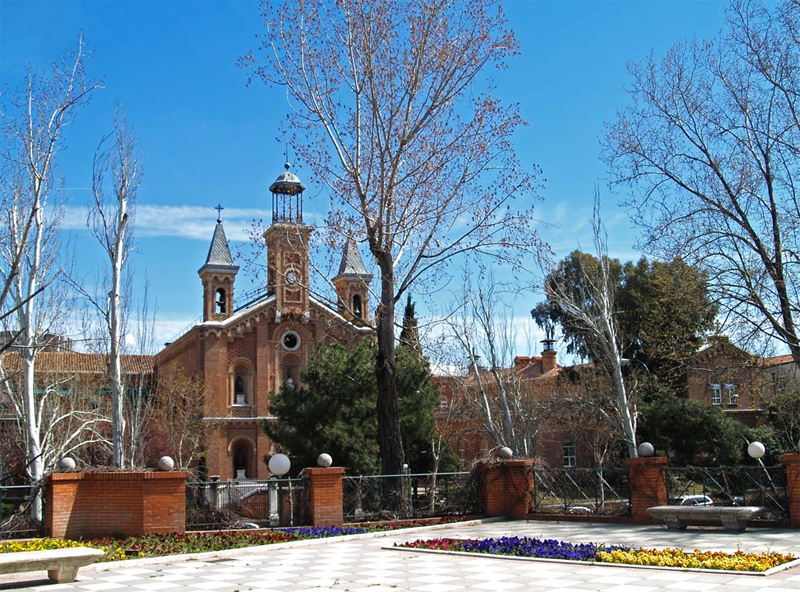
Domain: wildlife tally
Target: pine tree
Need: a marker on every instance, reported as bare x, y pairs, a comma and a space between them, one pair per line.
409, 334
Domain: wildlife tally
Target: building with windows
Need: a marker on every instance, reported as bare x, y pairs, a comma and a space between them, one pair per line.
246, 352
738, 382
562, 432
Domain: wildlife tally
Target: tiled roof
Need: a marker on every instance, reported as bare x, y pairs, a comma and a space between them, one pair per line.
219, 253
776, 360
352, 264
78, 363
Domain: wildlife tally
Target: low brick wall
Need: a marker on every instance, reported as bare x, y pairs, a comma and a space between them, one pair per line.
88, 505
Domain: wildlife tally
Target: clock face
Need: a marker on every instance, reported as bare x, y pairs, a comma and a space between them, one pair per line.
291, 277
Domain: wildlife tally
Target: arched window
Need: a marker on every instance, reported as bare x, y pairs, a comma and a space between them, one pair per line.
357, 306
221, 301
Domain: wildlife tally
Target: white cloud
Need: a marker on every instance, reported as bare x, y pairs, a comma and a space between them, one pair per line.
183, 221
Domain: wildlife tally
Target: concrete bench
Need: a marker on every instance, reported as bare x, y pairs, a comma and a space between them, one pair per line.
732, 517
61, 564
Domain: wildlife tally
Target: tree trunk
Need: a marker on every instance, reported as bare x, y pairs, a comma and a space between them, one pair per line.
389, 438
115, 327
34, 449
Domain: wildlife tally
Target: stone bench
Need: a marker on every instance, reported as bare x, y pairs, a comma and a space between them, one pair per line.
733, 518
61, 564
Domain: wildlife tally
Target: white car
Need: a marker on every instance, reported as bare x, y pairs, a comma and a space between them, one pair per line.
695, 500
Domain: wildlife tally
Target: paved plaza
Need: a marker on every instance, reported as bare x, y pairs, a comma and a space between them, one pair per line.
362, 563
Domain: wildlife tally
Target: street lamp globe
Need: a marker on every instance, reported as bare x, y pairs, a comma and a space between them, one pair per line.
279, 465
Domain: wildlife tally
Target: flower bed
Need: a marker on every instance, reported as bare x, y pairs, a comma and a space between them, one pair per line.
177, 544
200, 542
552, 549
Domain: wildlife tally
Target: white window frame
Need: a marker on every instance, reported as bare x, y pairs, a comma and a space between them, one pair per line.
716, 393
569, 451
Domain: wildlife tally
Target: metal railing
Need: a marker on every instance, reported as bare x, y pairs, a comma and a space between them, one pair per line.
581, 491
421, 496
730, 486
243, 504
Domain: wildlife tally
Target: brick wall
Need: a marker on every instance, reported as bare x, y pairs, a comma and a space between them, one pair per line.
325, 502
506, 488
88, 505
647, 481
792, 464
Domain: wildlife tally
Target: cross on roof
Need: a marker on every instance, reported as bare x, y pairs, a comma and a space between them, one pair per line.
219, 209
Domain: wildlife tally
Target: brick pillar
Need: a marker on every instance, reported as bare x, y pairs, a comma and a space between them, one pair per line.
792, 464
647, 481
324, 496
506, 488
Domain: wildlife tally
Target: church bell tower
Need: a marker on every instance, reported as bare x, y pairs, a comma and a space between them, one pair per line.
352, 285
218, 275
287, 247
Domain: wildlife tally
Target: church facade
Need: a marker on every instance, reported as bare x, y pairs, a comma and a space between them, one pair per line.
245, 353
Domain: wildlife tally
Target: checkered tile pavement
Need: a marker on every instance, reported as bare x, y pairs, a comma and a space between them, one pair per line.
359, 564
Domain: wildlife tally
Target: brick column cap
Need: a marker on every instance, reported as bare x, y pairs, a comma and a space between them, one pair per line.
330, 471
650, 460
117, 475
513, 462
792, 457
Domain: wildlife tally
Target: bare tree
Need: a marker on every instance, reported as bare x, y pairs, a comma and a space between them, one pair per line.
420, 163
590, 308
179, 415
141, 385
710, 145
69, 413
32, 138
110, 222
508, 405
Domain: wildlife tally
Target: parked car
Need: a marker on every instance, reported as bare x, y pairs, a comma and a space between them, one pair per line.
695, 500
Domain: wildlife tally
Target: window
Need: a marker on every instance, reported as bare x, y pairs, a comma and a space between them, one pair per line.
357, 306
443, 403
221, 301
716, 393
570, 459
730, 389
290, 340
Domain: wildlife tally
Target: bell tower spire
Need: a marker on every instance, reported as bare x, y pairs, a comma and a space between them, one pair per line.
218, 274
352, 284
287, 247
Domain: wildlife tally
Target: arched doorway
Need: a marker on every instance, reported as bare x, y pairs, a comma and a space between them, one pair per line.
242, 457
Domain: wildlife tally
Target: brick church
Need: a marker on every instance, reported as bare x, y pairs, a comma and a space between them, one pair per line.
246, 352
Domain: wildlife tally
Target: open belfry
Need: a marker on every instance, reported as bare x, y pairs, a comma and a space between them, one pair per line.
243, 353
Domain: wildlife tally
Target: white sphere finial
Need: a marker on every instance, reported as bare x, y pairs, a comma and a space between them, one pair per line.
324, 460
646, 449
505, 452
165, 463
67, 464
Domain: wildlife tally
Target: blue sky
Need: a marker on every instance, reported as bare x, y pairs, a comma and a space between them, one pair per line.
207, 137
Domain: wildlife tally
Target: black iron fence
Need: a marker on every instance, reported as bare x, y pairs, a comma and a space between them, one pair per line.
602, 492
730, 486
421, 496
15, 519
245, 504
